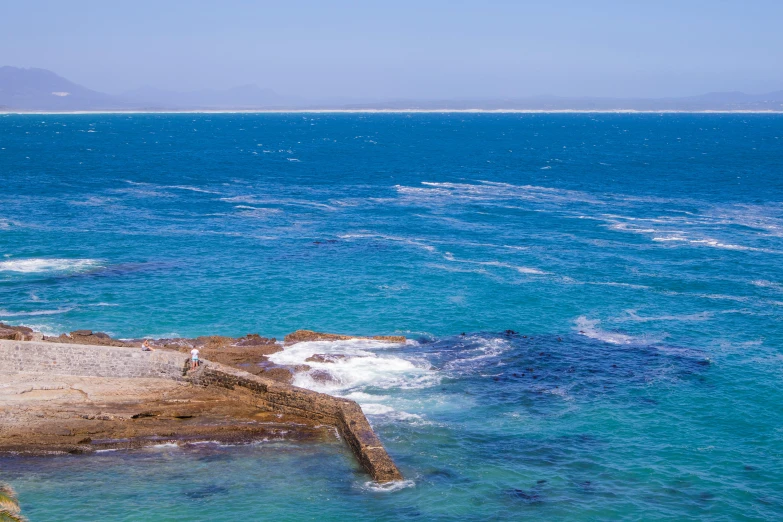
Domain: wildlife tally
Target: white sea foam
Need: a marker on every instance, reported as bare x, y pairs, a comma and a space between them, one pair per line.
761, 283
481, 349
43, 265
376, 409
365, 365
6, 224
589, 328
489, 192
388, 487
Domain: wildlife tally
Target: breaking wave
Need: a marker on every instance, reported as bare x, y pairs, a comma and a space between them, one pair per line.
355, 365
44, 265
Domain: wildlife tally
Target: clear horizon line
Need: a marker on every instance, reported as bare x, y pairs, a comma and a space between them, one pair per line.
390, 111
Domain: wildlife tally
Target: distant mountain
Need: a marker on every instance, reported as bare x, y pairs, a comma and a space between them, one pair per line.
42, 90
39, 89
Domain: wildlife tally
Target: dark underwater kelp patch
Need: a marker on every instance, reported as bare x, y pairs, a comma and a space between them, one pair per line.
539, 369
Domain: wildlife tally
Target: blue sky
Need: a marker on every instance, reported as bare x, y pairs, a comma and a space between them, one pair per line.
404, 49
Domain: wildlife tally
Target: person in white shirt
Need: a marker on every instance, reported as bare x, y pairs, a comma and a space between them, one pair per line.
193, 358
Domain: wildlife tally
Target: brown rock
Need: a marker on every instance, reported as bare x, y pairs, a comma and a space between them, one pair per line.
81, 333
14, 333
279, 374
301, 336
213, 341
390, 338
255, 340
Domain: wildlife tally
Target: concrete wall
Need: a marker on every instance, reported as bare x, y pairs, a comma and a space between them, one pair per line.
109, 361
96, 361
345, 415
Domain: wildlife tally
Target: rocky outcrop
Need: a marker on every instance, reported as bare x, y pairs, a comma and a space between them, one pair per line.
45, 414
112, 362
301, 336
15, 333
81, 337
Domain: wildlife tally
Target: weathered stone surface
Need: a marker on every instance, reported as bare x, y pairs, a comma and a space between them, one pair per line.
15, 333
300, 336
40, 413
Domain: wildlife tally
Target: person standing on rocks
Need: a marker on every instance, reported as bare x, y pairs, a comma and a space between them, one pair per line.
193, 358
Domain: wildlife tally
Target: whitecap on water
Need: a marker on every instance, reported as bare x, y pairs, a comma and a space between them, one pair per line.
357, 365
589, 328
43, 265
388, 487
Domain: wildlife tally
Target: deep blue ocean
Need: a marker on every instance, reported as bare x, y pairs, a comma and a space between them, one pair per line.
639, 258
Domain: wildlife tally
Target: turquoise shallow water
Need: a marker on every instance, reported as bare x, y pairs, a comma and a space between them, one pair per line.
638, 256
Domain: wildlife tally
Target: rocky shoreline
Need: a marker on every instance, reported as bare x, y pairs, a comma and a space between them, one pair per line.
44, 415
248, 353
49, 409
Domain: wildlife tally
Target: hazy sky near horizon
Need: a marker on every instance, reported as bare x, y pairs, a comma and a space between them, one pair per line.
404, 49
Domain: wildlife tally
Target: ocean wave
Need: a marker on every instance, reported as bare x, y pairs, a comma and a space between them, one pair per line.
357, 365
388, 487
475, 352
457, 269
44, 265
33, 313
490, 191
377, 409
260, 200
634, 317
714, 243
448, 256
93, 201
589, 328
190, 188
761, 283
408, 241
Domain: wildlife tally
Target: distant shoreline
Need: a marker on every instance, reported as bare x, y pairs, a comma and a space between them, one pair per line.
389, 111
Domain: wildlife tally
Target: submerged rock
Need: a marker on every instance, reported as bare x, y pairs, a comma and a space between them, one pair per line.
326, 357
322, 376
